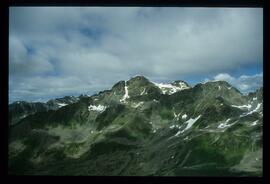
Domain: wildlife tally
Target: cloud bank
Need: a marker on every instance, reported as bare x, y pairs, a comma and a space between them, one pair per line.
55, 51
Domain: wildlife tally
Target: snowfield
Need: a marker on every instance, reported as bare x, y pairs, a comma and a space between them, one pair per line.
172, 89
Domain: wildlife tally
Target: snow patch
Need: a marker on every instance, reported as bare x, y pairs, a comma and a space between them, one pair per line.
227, 120
255, 98
254, 110
189, 123
184, 116
178, 133
169, 88
126, 96
183, 85
172, 126
99, 108
137, 105
186, 138
143, 92
224, 125
254, 123
242, 106
176, 116
61, 104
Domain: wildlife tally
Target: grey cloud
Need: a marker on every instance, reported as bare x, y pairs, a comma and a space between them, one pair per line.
104, 45
24, 64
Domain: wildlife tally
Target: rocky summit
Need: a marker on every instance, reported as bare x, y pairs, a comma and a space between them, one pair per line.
140, 128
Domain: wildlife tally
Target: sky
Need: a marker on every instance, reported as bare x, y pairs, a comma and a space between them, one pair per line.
58, 51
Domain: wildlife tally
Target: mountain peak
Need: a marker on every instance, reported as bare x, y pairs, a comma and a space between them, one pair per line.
217, 85
173, 87
139, 78
180, 83
119, 85
217, 82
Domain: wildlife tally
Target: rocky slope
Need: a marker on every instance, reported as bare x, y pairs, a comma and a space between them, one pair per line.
143, 128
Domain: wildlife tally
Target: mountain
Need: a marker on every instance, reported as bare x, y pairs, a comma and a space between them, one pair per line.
21, 109
143, 128
61, 102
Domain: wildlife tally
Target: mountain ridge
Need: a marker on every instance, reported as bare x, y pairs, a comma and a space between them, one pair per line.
160, 130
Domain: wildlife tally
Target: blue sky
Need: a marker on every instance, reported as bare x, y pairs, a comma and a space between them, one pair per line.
56, 51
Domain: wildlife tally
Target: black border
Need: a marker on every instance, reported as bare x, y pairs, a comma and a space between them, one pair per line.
186, 3
155, 3
4, 92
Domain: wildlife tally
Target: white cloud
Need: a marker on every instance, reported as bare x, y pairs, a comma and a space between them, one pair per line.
225, 77
244, 83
